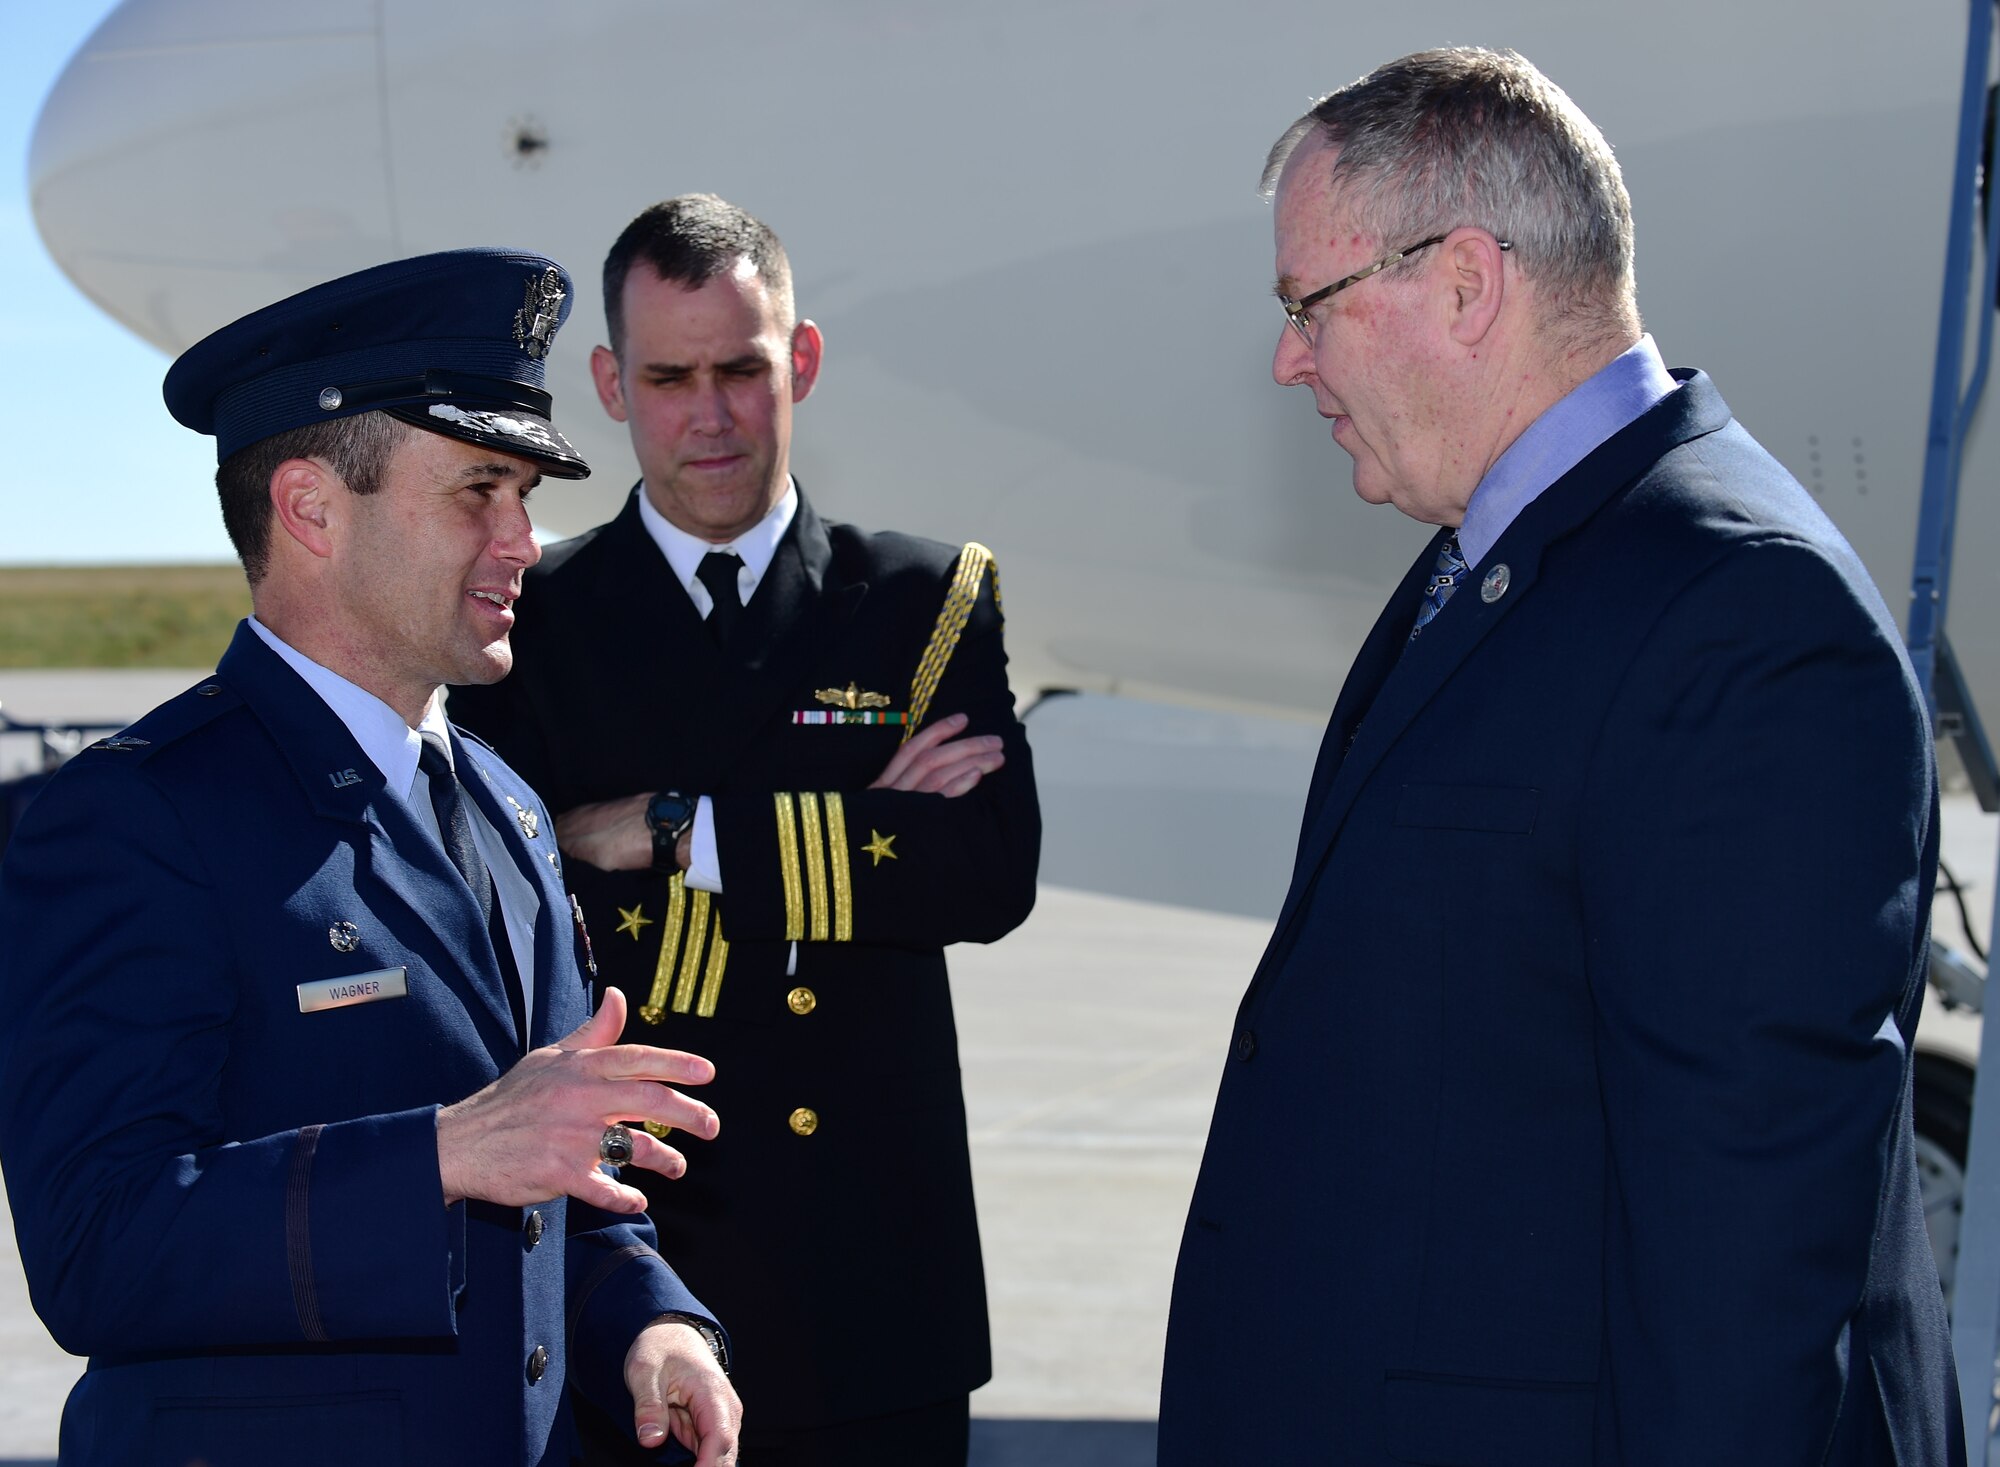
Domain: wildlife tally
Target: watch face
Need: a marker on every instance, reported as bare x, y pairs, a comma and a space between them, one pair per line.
669, 811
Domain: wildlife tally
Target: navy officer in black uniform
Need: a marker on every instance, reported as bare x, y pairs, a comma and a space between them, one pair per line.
302, 1102
788, 772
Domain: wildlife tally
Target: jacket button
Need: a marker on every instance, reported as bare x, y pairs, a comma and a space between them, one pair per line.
533, 1228
538, 1363
1246, 1045
805, 1122
801, 1001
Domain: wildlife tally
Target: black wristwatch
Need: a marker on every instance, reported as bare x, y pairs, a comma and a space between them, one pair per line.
669, 815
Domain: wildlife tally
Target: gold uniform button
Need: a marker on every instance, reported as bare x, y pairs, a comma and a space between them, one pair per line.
804, 1121
801, 1001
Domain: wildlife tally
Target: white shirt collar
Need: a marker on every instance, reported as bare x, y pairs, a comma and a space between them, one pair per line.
390, 744
757, 546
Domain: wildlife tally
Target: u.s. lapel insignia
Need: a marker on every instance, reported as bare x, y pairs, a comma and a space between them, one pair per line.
576, 913
342, 778
1495, 585
848, 705
541, 312
880, 847
530, 823
344, 936
631, 920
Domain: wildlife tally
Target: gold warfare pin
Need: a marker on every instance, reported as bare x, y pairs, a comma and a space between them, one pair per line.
849, 705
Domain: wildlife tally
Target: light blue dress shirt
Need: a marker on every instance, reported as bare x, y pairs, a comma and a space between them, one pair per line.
1559, 440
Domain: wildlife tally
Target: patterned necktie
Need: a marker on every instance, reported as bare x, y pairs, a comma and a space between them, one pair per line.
718, 571
455, 829
1446, 574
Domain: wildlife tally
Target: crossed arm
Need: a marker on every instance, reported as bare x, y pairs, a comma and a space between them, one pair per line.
612, 835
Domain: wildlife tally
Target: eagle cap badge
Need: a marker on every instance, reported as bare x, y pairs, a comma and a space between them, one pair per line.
540, 314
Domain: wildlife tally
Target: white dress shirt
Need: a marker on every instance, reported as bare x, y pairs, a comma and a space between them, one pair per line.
756, 547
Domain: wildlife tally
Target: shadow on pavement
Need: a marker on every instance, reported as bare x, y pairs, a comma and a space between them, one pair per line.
1029, 1443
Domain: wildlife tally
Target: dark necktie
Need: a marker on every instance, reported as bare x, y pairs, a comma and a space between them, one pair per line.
1446, 574
718, 571
455, 829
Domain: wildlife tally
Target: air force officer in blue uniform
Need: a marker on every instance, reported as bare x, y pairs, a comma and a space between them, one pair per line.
1566, 1120
302, 1103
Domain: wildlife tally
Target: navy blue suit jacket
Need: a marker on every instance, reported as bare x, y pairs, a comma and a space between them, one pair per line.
1567, 1117
234, 1207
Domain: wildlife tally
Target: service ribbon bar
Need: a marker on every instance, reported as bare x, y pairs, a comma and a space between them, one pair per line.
848, 715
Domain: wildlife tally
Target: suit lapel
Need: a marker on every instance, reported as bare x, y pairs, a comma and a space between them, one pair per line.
342, 784
1404, 681
505, 817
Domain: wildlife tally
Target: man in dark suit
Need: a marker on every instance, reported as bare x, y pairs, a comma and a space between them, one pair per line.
1567, 1117
255, 940
788, 772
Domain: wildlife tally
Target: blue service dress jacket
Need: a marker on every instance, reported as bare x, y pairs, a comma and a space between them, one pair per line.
233, 1205
1566, 1119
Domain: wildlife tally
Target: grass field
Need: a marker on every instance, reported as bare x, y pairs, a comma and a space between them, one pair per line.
119, 616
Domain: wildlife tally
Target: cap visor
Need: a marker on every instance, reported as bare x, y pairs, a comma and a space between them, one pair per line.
511, 430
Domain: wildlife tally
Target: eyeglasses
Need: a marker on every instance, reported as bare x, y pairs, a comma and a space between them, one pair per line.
1298, 312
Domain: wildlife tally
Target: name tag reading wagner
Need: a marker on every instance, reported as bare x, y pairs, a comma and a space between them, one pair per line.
340, 993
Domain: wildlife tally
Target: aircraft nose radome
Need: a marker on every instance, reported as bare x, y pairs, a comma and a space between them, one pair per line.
200, 158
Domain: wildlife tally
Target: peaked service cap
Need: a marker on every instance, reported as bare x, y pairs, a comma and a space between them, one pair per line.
454, 342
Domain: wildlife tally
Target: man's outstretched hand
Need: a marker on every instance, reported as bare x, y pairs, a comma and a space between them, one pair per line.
532, 1135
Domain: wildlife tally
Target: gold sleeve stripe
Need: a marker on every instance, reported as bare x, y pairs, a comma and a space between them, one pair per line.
973, 563
788, 868
836, 852
815, 852
691, 959
670, 946
718, 959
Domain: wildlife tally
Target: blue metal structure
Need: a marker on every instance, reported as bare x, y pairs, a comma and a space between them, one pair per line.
1954, 402
1952, 408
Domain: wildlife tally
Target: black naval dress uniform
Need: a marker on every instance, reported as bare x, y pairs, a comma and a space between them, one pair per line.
832, 1221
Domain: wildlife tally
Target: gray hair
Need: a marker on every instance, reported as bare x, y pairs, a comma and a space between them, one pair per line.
1463, 136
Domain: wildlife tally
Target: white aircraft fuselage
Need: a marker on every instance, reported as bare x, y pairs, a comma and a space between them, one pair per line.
1033, 239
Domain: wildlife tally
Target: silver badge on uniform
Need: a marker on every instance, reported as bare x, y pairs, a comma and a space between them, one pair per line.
344, 936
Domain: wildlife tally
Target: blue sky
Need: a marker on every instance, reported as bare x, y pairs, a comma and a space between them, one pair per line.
97, 471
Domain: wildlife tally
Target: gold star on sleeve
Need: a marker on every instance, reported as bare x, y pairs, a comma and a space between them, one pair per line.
631, 921
879, 846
